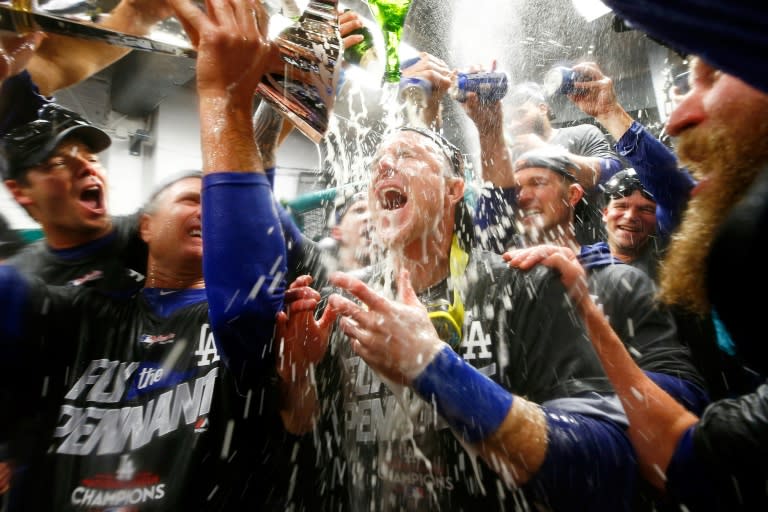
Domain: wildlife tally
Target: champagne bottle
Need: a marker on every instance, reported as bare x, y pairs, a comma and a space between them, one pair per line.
362, 54
390, 14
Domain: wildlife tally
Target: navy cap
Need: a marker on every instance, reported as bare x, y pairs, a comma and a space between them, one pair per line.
548, 158
30, 144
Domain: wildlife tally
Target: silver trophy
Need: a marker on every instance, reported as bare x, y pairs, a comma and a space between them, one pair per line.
310, 47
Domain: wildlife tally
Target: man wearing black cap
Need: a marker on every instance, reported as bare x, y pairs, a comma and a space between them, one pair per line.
630, 222
53, 171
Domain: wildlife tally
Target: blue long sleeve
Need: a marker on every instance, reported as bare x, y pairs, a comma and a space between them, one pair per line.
13, 295
584, 450
244, 264
20, 100
659, 172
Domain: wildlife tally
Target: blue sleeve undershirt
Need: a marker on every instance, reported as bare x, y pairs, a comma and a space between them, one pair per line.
694, 398
244, 264
589, 461
14, 292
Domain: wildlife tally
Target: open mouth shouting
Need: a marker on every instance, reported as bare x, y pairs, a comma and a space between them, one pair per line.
392, 198
92, 199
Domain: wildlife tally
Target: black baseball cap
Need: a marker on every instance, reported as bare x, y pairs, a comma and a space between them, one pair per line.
547, 158
30, 144
623, 184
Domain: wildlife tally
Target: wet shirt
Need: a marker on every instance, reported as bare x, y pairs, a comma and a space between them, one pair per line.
518, 330
115, 264
150, 419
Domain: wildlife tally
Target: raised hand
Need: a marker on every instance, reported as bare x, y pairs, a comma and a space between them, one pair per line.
303, 339
595, 95
395, 338
233, 51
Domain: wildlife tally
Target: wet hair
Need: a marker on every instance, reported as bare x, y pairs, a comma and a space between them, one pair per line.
450, 151
623, 184
463, 222
150, 206
547, 158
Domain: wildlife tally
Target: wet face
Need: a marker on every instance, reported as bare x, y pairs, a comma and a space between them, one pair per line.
172, 228
630, 221
529, 117
721, 130
67, 194
411, 192
544, 203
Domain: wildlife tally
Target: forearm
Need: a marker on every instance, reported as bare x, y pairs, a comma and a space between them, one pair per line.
63, 61
507, 430
227, 139
244, 264
657, 421
298, 404
616, 121
495, 159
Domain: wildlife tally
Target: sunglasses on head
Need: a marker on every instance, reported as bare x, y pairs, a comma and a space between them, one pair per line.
51, 120
624, 184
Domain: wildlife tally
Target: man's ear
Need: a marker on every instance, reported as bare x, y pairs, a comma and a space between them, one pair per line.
145, 230
18, 193
575, 193
455, 190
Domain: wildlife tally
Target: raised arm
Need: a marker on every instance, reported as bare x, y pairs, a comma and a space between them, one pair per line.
244, 259
655, 164
64, 61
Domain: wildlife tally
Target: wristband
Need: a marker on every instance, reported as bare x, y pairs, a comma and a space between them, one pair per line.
472, 404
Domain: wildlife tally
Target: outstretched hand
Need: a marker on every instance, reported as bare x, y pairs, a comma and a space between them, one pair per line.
233, 50
562, 259
304, 340
395, 338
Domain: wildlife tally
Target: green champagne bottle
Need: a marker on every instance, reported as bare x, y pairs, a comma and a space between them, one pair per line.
362, 54
390, 15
